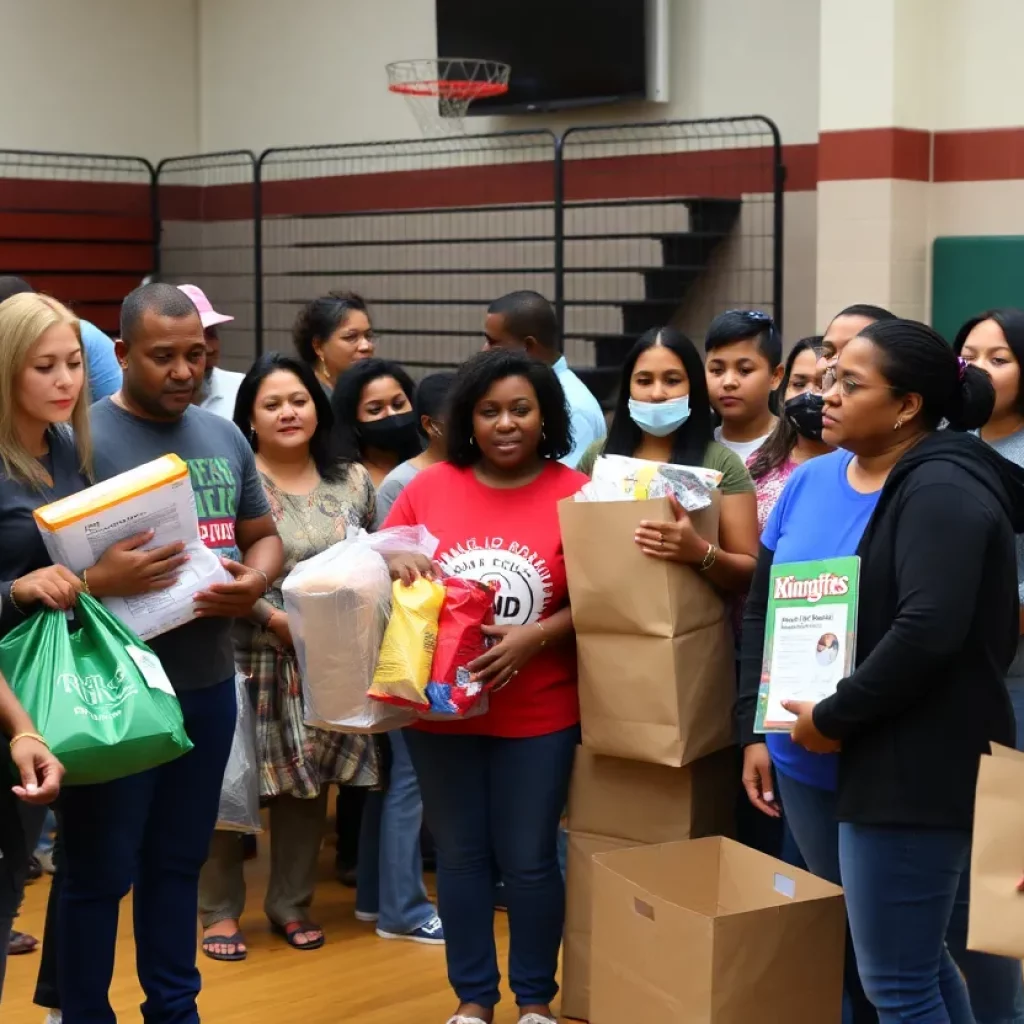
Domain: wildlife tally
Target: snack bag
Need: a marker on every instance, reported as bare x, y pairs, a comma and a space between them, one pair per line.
403, 669
468, 605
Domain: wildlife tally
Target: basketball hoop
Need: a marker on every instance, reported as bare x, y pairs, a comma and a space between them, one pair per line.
439, 90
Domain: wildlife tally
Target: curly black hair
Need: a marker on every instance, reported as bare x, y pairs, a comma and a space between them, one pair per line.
319, 319
475, 378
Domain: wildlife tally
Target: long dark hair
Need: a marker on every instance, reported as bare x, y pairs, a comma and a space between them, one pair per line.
782, 440
1011, 322
690, 442
322, 451
348, 393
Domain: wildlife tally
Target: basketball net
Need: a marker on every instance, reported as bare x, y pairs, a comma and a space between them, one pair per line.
439, 90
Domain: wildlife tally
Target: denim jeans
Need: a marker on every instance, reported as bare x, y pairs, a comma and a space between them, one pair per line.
390, 869
994, 983
901, 884
45, 844
488, 799
149, 831
811, 817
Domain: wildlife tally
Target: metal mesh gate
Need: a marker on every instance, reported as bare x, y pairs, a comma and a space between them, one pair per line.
208, 210
668, 222
78, 227
427, 231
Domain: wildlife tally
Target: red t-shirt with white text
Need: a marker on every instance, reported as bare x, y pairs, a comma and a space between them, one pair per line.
511, 538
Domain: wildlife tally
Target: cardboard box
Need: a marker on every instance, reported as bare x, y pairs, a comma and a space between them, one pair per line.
649, 803
711, 931
576, 940
155, 496
655, 648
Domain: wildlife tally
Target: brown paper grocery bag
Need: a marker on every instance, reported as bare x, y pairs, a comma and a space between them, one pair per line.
649, 803
576, 940
712, 931
664, 700
615, 588
996, 921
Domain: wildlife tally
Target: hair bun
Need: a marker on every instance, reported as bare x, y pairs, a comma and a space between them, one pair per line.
972, 401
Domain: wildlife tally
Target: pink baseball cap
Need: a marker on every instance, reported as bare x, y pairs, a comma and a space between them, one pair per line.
207, 314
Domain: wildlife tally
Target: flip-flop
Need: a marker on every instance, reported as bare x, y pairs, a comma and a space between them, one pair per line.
292, 928
20, 943
236, 940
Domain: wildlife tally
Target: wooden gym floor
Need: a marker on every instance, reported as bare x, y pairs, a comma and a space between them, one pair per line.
356, 977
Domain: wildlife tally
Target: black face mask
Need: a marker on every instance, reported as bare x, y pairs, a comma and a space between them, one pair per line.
804, 412
395, 434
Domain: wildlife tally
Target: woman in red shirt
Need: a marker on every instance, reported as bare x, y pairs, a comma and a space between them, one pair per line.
494, 787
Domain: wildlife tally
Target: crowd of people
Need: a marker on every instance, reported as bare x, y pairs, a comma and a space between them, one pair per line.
878, 439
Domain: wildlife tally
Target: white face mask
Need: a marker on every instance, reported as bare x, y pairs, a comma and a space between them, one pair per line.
659, 419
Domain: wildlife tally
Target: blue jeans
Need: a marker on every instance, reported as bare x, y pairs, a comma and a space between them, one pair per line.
390, 866
901, 884
45, 844
994, 983
811, 817
486, 800
149, 831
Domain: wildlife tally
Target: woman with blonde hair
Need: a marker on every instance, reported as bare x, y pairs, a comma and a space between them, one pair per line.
45, 454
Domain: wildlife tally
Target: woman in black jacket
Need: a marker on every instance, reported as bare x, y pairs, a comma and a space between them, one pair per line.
938, 626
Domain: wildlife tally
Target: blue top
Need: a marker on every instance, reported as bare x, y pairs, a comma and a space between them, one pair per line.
100, 362
585, 415
819, 515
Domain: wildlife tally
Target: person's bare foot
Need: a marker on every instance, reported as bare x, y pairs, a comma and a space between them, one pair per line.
232, 944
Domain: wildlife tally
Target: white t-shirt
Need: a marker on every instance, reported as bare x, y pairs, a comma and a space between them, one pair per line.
744, 449
222, 389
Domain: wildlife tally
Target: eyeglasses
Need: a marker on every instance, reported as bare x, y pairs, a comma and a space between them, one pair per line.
847, 385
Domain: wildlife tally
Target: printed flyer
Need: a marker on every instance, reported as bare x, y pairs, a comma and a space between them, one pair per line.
810, 636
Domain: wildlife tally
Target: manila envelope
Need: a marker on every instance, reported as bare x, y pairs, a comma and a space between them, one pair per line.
996, 921
649, 803
659, 699
712, 931
576, 941
615, 588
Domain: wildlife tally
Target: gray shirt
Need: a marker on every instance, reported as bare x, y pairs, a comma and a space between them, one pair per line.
1012, 449
391, 487
227, 489
21, 545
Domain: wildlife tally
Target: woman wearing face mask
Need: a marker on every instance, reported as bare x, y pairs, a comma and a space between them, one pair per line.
994, 342
315, 499
374, 422
663, 414
494, 786
937, 629
390, 890
331, 334
797, 434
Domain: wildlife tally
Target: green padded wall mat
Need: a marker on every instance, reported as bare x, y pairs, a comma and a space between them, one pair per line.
974, 273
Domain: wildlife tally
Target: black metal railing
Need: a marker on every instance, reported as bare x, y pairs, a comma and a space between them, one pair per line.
208, 210
78, 226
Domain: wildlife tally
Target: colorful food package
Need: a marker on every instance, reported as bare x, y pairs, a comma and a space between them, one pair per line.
468, 605
618, 478
406, 653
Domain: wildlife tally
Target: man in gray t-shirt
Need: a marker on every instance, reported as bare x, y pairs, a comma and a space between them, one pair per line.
151, 831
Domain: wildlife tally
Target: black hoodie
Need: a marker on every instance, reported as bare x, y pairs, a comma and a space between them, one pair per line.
938, 627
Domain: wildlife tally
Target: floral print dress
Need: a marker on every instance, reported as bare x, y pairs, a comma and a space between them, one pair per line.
295, 759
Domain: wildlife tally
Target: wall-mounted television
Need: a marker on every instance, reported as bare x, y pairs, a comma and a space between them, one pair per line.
563, 53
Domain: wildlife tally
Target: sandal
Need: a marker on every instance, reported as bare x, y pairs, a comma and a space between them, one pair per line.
236, 940
289, 931
20, 943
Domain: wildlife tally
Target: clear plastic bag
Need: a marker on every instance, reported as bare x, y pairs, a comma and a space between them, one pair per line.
338, 603
239, 809
618, 478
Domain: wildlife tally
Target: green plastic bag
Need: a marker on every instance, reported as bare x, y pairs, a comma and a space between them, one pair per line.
100, 696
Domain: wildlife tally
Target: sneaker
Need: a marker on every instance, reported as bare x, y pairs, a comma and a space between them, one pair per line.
54, 1017
431, 933
45, 858
367, 916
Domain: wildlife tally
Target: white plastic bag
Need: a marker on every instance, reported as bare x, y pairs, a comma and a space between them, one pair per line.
618, 478
240, 792
338, 604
